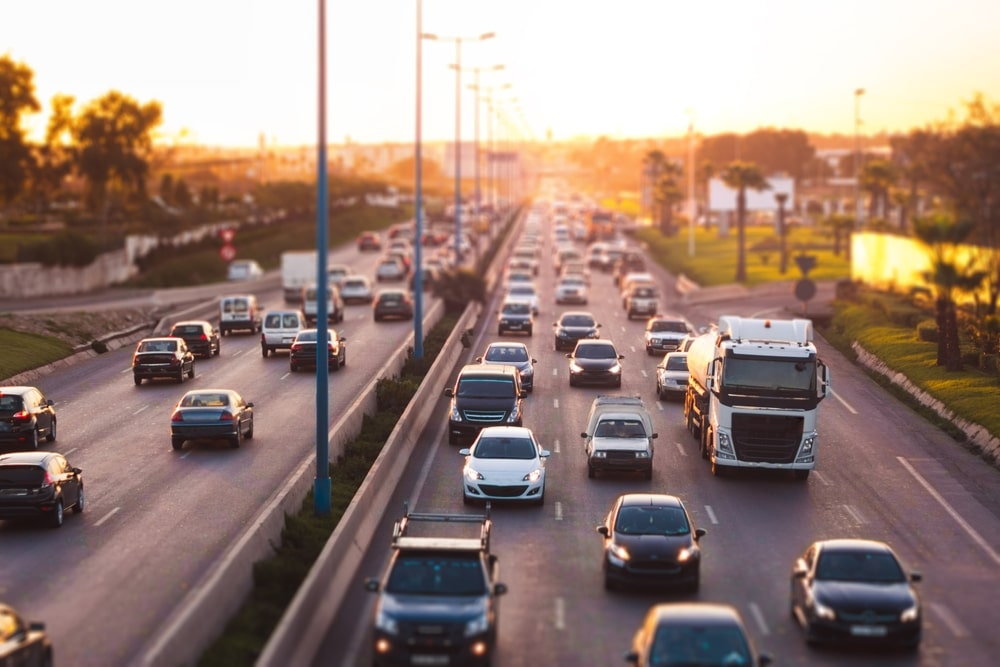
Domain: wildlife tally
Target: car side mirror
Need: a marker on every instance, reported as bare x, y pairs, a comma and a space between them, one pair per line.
621, 356
655, 436
603, 530
916, 576
569, 355
699, 533
76, 471
800, 569
371, 585
584, 435
479, 360
449, 391
522, 394
249, 404
465, 451
598, 325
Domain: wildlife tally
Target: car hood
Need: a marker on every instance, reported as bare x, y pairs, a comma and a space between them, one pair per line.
864, 596
433, 607
650, 546
576, 331
595, 364
521, 366
621, 444
503, 470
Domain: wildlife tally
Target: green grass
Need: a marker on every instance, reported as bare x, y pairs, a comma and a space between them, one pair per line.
20, 351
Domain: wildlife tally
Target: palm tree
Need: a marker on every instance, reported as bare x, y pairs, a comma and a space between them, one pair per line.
653, 162
941, 234
877, 176
740, 176
668, 194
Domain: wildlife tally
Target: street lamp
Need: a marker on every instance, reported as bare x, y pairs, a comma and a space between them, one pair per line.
476, 87
858, 92
418, 278
781, 198
458, 127
492, 109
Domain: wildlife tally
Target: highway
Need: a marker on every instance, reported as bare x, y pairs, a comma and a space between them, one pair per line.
883, 473
156, 520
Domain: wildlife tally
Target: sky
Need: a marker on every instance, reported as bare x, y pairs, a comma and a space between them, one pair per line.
228, 72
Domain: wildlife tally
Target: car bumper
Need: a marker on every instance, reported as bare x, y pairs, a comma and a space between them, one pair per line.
161, 372
652, 574
520, 491
661, 346
841, 632
396, 652
621, 463
599, 379
27, 509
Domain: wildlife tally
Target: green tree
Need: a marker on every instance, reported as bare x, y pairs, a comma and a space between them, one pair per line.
17, 97
53, 159
740, 176
114, 140
941, 234
876, 178
667, 194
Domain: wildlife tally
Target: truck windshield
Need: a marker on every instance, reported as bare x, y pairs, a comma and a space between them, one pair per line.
795, 375
436, 574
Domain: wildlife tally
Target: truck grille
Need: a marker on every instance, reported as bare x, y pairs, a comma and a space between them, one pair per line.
484, 416
766, 438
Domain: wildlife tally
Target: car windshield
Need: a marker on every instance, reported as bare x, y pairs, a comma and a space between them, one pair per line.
485, 388
657, 326
693, 643
874, 567
507, 355
595, 352
517, 308
620, 428
651, 520
677, 363
577, 321
436, 574
504, 448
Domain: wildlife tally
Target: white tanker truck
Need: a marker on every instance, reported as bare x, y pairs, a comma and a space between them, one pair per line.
753, 395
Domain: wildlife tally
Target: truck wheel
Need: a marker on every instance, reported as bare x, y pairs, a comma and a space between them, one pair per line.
801, 475
591, 473
264, 351
703, 439
647, 474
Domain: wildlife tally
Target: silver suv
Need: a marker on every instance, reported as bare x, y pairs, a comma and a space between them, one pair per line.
279, 329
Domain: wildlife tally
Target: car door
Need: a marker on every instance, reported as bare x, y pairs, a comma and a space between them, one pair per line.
69, 481
36, 404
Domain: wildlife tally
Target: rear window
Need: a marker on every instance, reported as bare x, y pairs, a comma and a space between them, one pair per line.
158, 346
235, 306
189, 330
10, 404
15, 476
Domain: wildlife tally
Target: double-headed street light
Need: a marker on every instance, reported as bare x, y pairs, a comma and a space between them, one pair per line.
458, 126
858, 92
477, 88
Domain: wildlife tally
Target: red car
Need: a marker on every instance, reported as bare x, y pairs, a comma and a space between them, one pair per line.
369, 241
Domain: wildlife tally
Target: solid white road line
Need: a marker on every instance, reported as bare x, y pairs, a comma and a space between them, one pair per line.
843, 402
711, 515
949, 619
106, 517
759, 618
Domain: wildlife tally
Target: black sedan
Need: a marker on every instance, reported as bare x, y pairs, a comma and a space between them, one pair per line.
595, 362
706, 634
39, 485
26, 416
392, 303
852, 590
650, 540
23, 643
163, 357
303, 350
201, 336
574, 325
211, 414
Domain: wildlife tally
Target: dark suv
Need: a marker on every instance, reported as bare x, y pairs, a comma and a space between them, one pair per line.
201, 336
39, 485
25, 417
484, 396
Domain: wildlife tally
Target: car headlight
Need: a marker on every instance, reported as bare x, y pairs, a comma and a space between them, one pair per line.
600, 454
616, 369
686, 554
910, 615
515, 414
592, 333
575, 367
822, 611
533, 476
642, 454
473, 475
617, 554
386, 623
477, 625
528, 372
456, 415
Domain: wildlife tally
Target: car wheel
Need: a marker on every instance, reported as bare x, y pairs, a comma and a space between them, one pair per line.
591, 473
609, 584
191, 372
138, 380
499, 331
264, 351
717, 470
34, 438
52, 431
81, 501
343, 361
218, 350
530, 331
180, 376
292, 368
572, 382
234, 442
249, 434
540, 500
56, 518
694, 585
647, 474
466, 500
659, 394
618, 383
335, 364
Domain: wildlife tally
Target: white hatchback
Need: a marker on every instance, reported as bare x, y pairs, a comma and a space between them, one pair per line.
504, 463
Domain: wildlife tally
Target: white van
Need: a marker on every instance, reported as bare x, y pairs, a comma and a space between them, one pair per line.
279, 330
239, 313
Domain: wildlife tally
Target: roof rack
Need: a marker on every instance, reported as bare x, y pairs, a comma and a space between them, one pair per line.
401, 526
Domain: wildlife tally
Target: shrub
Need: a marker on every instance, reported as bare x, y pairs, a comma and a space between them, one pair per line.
927, 330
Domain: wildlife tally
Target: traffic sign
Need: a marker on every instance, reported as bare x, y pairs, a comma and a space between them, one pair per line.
805, 289
227, 234
227, 252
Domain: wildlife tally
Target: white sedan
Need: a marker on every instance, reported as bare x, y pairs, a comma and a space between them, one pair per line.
524, 291
572, 289
504, 463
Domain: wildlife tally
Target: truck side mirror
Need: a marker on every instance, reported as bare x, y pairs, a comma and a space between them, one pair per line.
655, 436
584, 435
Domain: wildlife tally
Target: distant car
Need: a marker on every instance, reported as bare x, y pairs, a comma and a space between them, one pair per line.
706, 634
512, 354
572, 289
201, 336
211, 414
525, 292
855, 591
518, 277
239, 312
39, 485
26, 416
595, 362
334, 304
664, 333
574, 325
390, 269
504, 463
515, 315
369, 241
337, 272
672, 375
244, 269
162, 357
356, 289
23, 643
279, 329
392, 303
650, 540
643, 299
303, 350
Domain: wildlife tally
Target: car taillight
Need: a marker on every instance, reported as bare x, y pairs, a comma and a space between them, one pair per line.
47, 481
296, 346
227, 417
178, 416
203, 337
174, 361
21, 416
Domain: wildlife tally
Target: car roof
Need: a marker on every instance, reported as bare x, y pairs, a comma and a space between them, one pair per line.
26, 458
699, 612
506, 431
18, 390
593, 342
192, 323
210, 390
574, 313
651, 499
503, 343
482, 369
853, 544
159, 338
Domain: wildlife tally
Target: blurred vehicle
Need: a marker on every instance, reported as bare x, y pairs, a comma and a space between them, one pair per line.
302, 353
634, 278
664, 333
515, 315
512, 354
574, 325
336, 273
357, 289
162, 357
706, 634
368, 241
572, 289
643, 299
526, 257
279, 329
405, 256
390, 269
239, 313
619, 436
39, 485
575, 268
392, 303
855, 591
595, 362
244, 269
595, 255
672, 375
428, 276
334, 304
484, 396
569, 253
628, 261
518, 277
524, 291
612, 253
23, 643
504, 463
26, 416
211, 414
201, 336
650, 540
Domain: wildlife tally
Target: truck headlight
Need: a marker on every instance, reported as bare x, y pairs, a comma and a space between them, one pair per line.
386, 623
723, 443
456, 415
477, 625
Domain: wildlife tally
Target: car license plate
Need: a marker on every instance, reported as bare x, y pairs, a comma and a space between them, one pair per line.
13, 492
288, 339
868, 630
429, 660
